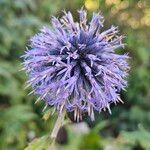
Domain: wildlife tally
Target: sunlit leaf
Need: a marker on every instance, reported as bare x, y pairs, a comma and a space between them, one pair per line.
42, 143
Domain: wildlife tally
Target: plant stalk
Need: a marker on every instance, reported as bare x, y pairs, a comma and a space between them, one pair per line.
59, 123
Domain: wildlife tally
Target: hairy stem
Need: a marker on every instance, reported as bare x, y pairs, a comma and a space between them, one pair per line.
58, 124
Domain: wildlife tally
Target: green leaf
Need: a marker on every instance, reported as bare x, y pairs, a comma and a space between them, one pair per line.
41, 143
141, 136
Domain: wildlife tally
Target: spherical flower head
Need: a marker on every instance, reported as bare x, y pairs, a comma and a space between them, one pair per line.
74, 65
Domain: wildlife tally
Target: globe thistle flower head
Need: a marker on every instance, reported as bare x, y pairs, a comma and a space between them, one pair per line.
74, 65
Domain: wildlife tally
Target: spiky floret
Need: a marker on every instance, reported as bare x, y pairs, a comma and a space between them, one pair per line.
74, 66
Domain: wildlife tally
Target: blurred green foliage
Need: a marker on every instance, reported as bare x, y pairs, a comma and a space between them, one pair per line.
21, 121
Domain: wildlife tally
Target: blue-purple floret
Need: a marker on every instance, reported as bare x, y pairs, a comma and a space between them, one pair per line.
74, 66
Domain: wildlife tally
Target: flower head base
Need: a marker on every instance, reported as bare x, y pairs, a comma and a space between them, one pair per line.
73, 66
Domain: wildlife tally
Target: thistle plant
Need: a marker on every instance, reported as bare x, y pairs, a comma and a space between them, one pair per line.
73, 66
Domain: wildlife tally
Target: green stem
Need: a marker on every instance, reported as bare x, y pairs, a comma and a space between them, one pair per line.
58, 125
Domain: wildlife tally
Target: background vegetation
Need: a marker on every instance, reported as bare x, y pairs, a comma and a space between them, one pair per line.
128, 128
